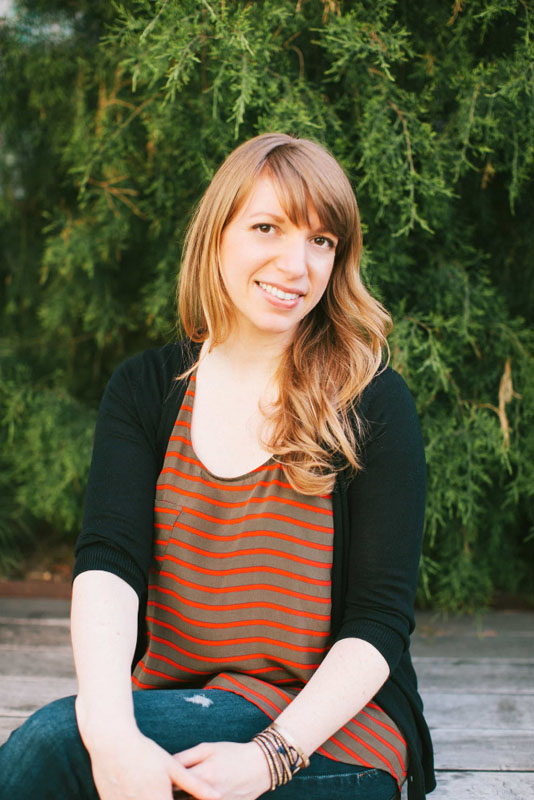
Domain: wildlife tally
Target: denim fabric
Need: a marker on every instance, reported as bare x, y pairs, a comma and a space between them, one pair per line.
45, 758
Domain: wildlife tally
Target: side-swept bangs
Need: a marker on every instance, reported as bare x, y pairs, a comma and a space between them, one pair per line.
305, 174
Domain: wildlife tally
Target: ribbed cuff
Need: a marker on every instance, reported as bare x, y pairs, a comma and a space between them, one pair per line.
388, 642
100, 556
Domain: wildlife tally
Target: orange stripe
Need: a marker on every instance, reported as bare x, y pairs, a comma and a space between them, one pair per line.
250, 587
238, 606
186, 408
179, 439
357, 758
189, 393
141, 685
214, 485
238, 624
187, 459
182, 424
244, 640
228, 659
266, 515
183, 668
287, 697
384, 742
243, 571
242, 503
167, 510
235, 536
389, 728
252, 552
371, 749
172, 663
251, 691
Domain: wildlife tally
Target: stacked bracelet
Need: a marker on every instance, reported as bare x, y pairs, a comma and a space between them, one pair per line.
283, 756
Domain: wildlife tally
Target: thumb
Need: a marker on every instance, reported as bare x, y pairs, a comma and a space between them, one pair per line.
194, 755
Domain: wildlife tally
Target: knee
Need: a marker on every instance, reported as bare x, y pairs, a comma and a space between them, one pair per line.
51, 729
43, 749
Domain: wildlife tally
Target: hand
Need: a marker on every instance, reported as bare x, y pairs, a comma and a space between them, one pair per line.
136, 768
236, 771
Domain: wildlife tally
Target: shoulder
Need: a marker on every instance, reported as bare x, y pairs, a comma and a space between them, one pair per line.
149, 377
387, 397
142, 395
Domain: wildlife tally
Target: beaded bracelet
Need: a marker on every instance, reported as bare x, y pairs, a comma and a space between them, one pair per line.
284, 757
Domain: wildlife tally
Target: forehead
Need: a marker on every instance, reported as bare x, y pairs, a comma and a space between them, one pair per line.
268, 196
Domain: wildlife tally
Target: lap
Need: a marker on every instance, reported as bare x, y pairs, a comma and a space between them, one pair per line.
48, 749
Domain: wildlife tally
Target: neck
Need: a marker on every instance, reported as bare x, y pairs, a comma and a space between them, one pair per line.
249, 356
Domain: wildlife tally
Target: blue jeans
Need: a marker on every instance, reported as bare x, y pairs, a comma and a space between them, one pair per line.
45, 758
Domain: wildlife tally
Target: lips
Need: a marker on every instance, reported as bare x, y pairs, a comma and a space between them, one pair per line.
284, 301
280, 292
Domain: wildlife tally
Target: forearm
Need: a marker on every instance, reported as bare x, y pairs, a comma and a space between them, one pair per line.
104, 633
350, 675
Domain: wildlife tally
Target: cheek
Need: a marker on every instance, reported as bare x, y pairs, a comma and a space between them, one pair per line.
324, 275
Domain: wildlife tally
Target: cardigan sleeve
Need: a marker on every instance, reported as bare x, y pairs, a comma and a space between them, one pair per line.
385, 504
117, 525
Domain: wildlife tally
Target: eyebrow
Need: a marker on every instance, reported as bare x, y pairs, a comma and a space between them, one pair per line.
268, 214
320, 229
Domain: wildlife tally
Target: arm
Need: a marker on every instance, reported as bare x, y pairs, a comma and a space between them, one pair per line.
113, 558
350, 675
125, 763
348, 678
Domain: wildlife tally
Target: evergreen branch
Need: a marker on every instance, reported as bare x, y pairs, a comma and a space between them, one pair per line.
413, 172
467, 131
151, 24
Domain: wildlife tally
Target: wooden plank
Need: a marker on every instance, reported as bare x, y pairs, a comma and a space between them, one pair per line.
486, 636
484, 786
476, 675
24, 695
38, 660
493, 711
37, 632
34, 607
483, 749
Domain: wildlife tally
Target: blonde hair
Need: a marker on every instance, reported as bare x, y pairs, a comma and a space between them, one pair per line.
338, 348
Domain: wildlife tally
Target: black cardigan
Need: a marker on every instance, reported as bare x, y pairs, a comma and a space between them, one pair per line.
378, 519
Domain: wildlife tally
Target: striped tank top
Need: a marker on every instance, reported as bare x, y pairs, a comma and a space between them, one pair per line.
239, 593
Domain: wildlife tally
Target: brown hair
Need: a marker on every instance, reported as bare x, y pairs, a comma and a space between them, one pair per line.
338, 346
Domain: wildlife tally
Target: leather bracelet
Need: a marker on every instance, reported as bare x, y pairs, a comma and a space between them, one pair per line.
284, 757
305, 761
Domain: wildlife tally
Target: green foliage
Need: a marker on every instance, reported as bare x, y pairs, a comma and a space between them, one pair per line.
113, 118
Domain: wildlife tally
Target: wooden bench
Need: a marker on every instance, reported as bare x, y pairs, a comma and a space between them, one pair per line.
476, 679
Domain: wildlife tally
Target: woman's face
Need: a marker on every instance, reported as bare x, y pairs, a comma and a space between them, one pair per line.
274, 271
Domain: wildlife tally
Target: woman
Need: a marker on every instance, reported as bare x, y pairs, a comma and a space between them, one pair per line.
253, 524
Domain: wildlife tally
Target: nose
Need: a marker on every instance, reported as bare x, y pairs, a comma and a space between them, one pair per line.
292, 257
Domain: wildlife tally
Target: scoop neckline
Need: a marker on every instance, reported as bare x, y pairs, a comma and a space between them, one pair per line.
208, 472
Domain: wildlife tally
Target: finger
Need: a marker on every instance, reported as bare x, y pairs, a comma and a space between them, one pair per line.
194, 755
190, 783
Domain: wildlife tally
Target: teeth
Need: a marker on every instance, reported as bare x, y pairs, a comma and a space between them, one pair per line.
278, 292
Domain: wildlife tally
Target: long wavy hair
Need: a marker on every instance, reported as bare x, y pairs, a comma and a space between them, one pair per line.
314, 427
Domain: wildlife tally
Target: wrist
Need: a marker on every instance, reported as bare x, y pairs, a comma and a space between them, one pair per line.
284, 758
103, 724
260, 766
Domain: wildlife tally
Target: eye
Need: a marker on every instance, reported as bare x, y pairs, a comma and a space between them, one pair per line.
263, 227
325, 242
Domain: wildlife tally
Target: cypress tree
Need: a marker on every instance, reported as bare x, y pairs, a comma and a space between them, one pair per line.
113, 118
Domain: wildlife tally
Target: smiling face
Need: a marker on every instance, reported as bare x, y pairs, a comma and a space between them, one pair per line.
274, 271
